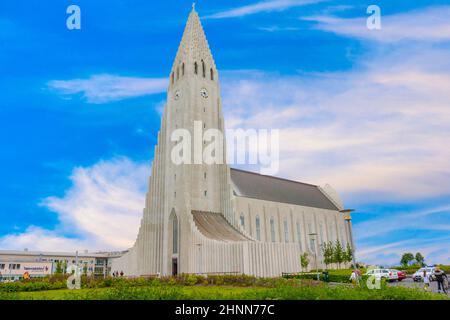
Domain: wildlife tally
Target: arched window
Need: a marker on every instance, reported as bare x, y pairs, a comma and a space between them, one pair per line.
195, 67
242, 218
343, 242
182, 69
321, 240
258, 228
175, 235
272, 230
299, 238
212, 73
203, 69
286, 231
331, 236
311, 238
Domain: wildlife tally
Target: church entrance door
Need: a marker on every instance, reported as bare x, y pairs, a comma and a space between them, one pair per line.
174, 266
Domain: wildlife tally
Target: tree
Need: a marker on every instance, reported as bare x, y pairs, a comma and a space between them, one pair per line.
327, 252
304, 260
406, 259
348, 254
59, 269
420, 259
338, 253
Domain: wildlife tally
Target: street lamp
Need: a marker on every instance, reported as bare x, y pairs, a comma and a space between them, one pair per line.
348, 219
313, 240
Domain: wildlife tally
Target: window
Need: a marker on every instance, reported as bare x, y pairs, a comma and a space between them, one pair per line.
321, 233
204, 175
286, 231
272, 229
212, 74
242, 220
2, 266
258, 228
196, 68
203, 69
182, 69
299, 238
178, 73
342, 235
175, 235
331, 231
173, 77
206, 193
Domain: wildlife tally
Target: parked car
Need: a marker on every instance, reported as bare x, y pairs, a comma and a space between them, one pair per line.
401, 274
386, 274
418, 275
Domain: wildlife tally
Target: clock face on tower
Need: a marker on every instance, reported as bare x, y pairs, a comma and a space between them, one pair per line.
204, 93
177, 95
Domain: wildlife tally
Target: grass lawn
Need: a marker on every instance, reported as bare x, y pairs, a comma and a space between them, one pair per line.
211, 292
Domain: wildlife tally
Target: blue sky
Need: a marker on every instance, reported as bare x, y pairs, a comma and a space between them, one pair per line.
367, 111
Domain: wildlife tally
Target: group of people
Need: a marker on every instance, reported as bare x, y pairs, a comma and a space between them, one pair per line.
117, 274
441, 279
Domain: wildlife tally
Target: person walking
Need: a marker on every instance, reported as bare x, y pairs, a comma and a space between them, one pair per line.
354, 277
426, 281
440, 278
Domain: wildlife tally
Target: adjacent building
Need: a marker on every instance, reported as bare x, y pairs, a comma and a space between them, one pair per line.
14, 264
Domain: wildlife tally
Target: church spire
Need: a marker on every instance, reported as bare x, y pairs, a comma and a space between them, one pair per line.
194, 48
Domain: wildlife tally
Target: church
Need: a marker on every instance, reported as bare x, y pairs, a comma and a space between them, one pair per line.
212, 219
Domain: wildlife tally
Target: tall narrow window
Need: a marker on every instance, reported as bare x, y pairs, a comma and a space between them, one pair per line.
311, 238
242, 218
299, 238
203, 69
258, 228
196, 68
212, 73
272, 229
321, 233
182, 69
286, 231
342, 235
178, 73
173, 78
175, 235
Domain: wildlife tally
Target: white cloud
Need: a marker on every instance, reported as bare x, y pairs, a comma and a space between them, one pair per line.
375, 133
264, 6
104, 88
100, 211
429, 25
435, 249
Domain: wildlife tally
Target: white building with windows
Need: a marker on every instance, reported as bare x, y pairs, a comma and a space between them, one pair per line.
209, 218
14, 263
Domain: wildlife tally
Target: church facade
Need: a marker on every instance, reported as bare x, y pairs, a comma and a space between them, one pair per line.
210, 218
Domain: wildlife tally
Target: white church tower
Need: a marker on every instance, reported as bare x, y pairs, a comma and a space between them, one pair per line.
192, 221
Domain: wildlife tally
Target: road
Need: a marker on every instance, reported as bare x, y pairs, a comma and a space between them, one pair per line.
409, 283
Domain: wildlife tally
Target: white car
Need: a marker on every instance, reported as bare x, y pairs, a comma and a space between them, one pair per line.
387, 274
418, 275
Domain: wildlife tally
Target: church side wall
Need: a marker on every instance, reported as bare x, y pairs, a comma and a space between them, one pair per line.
328, 224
